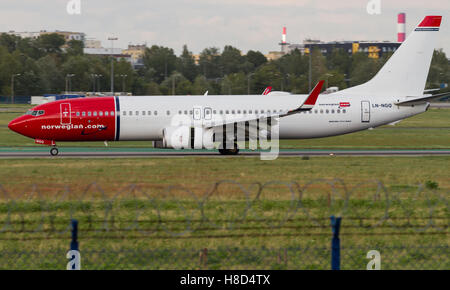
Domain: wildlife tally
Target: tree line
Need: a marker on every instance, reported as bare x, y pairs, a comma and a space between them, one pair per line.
41, 65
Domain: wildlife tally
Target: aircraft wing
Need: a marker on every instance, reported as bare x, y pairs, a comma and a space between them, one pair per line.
307, 105
422, 100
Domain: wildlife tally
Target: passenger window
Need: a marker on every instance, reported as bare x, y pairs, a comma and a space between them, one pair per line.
249, 111
245, 112
89, 114
327, 111
83, 114
100, 113
256, 111
185, 112
124, 113
180, 113
112, 113
143, 113
232, 112
221, 112
131, 113
106, 113
156, 113
137, 113
344, 111
332, 111
338, 111
168, 113
95, 114
321, 111
238, 111
149, 113
78, 114
214, 112
227, 112
262, 111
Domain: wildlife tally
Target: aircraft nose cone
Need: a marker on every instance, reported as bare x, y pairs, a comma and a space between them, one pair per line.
13, 125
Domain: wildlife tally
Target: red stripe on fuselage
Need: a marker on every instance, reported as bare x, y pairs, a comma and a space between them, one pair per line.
91, 119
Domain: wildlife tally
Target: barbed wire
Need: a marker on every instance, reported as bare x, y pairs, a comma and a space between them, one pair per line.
177, 211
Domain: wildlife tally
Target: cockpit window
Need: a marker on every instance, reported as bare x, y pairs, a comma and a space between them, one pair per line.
35, 113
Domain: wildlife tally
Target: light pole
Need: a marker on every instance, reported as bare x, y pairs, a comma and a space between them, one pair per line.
68, 76
310, 68
98, 82
112, 62
123, 81
328, 75
12, 87
248, 83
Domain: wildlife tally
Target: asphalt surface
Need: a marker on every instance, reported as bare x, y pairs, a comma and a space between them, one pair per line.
153, 153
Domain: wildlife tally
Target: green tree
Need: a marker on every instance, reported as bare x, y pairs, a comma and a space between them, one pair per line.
234, 84
161, 61
267, 75
75, 47
256, 58
231, 60
209, 63
201, 85
51, 43
439, 71
186, 64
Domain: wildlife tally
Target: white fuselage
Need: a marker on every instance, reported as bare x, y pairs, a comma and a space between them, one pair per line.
333, 114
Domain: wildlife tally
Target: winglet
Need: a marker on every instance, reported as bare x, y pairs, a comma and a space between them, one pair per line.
267, 91
312, 98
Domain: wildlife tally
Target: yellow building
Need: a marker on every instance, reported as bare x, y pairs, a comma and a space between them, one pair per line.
136, 51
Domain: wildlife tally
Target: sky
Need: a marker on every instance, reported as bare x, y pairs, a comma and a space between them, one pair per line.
245, 24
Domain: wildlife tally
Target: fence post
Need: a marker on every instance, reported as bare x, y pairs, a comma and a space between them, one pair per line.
335, 243
74, 242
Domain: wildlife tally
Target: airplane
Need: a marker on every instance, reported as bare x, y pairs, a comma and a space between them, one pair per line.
396, 92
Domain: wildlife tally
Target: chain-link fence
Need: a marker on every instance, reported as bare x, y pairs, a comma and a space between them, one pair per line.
274, 225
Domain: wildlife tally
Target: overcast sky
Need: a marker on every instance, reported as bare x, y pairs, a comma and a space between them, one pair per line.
245, 24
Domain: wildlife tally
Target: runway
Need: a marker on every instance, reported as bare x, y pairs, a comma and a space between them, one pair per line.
85, 152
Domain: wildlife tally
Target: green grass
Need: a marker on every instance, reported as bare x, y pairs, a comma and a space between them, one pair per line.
149, 227
430, 130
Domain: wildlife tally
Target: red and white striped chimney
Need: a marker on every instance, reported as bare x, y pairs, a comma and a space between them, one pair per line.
283, 36
401, 27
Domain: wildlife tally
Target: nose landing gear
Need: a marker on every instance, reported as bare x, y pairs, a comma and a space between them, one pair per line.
54, 151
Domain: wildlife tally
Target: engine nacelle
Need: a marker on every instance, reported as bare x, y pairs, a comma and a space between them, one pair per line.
184, 137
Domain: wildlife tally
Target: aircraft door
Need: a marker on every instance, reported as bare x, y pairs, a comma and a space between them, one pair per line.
65, 114
365, 111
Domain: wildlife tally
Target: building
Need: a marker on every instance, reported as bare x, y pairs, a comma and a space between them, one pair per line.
274, 55
92, 43
137, 54
68, 35
107, 52
373, 49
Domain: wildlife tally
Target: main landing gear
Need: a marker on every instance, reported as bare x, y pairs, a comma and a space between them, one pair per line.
234, 151
54, 151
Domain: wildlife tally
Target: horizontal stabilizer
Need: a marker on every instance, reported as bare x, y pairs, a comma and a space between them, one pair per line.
422, 100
